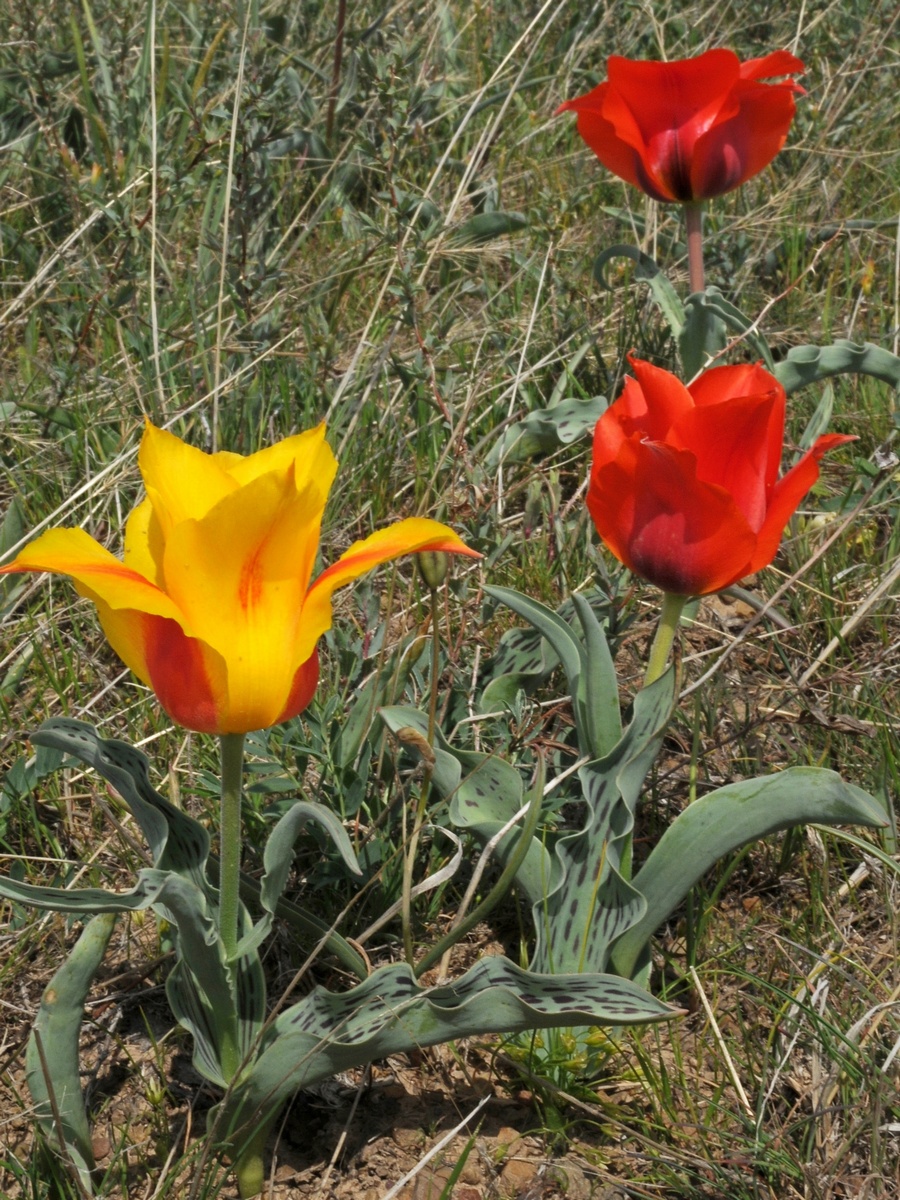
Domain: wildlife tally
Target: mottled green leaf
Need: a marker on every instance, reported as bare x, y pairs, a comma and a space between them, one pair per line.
391, 1013
726, 819
484, 793
278, 858
51, 1058
648, 271
486, 226
546, 429
811, 364
709, 318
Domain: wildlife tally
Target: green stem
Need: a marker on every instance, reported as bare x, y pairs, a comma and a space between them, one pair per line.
232, 750
672, 608
249, 1166
693, 219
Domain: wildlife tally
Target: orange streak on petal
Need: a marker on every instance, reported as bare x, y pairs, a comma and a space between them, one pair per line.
74, 552
303, 688
405, 537
181, 675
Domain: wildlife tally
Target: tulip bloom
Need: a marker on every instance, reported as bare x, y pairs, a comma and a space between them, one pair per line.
684, 486
213, 606
689, 130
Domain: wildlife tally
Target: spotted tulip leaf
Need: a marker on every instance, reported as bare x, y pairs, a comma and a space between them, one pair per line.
201, 985
590, 901
524, 660
709, 318
560, 636
177, 888
546, 429
811, 364
601, 683
177, 842
586, 667
278, 857
205, 992
648, 271
723, 821
51, 1058
144, 894
390, 1013
200, 981
484, 793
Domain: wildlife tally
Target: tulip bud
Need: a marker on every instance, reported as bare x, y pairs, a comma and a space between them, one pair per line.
433, 566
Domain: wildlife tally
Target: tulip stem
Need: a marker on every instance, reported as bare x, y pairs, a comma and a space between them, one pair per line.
672, 608
693, 219
232, 750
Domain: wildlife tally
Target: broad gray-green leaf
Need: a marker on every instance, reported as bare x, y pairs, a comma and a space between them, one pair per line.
51, 1058
546, 429
484, 227
726, 819
524, 658
209, 1013
144, 894
589, 672
445, 770
523, 661
278, 858
708, 319
648, 271
177, 842
703, 336
602, 684
484, 792
200, 984
560, 636
588, 901
391, 1013
811, 364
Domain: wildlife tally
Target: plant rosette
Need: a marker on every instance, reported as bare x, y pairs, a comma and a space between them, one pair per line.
214, 606
685, 490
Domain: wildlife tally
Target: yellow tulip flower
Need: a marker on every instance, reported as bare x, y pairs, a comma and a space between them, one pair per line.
213, 606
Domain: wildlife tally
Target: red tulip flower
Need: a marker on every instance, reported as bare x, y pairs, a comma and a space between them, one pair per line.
689, 130
684, 486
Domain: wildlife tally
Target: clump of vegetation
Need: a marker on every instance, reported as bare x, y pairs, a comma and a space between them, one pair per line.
215, 220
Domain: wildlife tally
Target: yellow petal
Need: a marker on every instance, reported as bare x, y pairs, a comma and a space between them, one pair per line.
405, 537
96, 572
182, 482
240, 576
309, 453
144, 543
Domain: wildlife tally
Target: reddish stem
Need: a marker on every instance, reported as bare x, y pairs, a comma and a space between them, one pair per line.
693, 218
